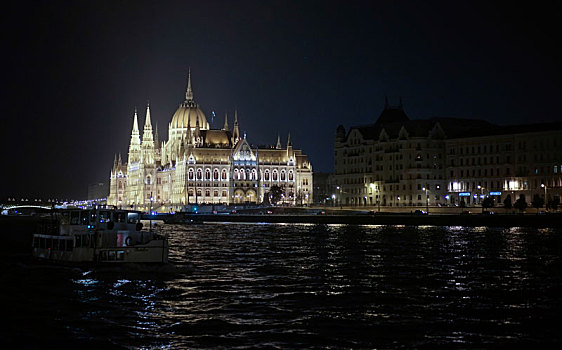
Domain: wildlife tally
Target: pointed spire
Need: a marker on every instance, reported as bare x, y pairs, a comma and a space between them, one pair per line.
135, 135
278, 146
189, 92
225, 127
289, 144
120, 160
156, 137
135, 122
147, 121
236, 131
147, 136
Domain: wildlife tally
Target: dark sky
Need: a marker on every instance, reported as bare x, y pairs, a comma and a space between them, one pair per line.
73, 72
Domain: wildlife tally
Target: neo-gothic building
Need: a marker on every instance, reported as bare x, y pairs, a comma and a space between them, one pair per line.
445, 161
200, 165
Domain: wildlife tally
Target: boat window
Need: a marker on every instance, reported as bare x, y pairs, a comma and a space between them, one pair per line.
65, 218
132, 218
84, 217
120, 255
105, 216
74, 217
111, 255
119, 217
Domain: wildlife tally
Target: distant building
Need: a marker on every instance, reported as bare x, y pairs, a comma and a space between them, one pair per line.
199, 165
98, 190
322, 188
444, 161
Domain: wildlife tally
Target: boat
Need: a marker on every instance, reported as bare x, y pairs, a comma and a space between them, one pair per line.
98, 236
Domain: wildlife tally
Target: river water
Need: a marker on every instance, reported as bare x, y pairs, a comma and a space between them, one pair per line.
240, 286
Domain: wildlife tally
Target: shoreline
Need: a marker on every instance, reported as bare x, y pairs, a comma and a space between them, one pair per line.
496, 220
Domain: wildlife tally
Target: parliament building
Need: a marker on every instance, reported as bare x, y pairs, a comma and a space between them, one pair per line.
200, 165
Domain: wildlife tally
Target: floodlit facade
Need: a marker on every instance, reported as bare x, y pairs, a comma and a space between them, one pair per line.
444, 162
201, 165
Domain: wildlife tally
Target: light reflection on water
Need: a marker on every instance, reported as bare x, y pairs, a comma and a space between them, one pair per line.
295, 286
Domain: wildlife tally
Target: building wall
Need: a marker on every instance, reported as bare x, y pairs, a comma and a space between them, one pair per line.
418, 164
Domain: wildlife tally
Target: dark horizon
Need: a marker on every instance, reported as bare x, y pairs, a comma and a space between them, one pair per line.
75, 72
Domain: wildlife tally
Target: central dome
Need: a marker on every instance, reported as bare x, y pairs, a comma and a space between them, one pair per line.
188, 113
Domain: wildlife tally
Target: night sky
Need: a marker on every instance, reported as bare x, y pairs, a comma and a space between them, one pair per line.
73, 73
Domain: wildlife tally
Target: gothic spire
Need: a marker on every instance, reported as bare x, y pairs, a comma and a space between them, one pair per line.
156, 138
236, 131
147, 137
135, 135
189, 92
225, 127
278, 146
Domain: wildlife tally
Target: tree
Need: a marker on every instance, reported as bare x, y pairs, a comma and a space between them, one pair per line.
488, 202
507, 202
275, 194
553, 203
521, 203
537, 202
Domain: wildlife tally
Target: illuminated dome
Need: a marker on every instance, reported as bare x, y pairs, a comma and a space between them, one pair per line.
189, 113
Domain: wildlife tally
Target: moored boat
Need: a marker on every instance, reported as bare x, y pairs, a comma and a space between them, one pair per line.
98, 236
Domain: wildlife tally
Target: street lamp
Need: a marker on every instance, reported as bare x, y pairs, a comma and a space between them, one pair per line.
545, 200
374, 188
426, 200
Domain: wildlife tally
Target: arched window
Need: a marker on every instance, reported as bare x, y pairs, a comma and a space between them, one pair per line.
199, 174
267, 175
291, 175
236, 175
274, 175
216, 174
224, 174
254, 174
190, 174
282, 175
198, 193
207, 192
207, 174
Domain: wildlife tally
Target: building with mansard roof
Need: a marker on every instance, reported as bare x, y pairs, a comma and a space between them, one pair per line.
201, 165
397, 161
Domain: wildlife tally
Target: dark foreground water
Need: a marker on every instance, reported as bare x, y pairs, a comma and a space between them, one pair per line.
299, 286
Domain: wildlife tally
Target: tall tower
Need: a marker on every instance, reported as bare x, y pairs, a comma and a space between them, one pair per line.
147, 146
135, 144
236, 131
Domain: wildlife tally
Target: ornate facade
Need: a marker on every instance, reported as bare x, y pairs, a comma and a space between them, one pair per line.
201, 165
445, 161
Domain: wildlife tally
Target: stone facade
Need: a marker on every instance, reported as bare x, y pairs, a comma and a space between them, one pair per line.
444, 161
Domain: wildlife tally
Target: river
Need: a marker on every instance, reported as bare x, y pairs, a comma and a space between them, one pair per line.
241, 286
